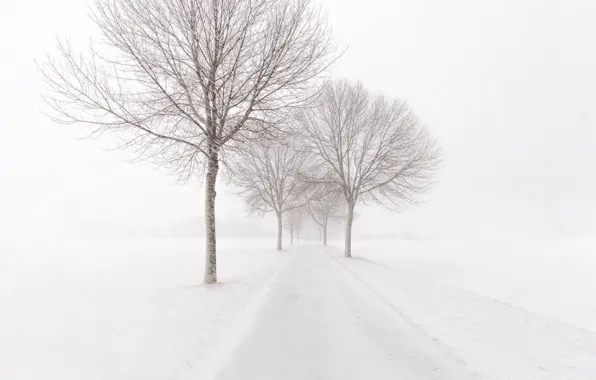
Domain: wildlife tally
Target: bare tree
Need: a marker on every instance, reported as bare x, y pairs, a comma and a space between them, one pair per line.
185, 81
268, 175
324, 206
293, 223
372, 148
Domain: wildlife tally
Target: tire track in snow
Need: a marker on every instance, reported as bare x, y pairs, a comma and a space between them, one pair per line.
497, 340
401, 313
318, 323
209, 367
472, 293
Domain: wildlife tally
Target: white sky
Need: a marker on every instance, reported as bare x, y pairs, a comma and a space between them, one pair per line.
507, 87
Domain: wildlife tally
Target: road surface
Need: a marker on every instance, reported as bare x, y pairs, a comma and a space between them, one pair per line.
320, 322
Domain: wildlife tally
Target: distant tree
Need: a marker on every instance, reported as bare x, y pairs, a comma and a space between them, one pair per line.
371, 148
293, 220
268, 176
185, 81
324, 206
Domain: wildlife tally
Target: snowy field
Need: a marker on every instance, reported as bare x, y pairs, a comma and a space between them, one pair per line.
133, 309
508, 309
122, 309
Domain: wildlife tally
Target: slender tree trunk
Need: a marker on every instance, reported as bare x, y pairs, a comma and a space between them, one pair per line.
210, 252
279, 231
325, 234
291, 237
349, 220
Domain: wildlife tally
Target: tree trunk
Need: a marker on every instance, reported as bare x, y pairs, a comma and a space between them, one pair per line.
279, 231
325, 234
291, 237
348, 246
210, 253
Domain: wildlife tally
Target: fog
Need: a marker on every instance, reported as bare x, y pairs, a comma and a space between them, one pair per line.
506, 87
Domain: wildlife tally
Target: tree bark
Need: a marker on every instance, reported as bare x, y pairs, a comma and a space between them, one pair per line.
325, 234
210, 251
291, 237
279, 231
348, 243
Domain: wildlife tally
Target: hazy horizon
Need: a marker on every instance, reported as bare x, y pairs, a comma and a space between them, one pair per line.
505, 87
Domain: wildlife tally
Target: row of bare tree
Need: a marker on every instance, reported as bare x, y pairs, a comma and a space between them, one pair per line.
281, 177
210, 86
296, 220
347, 147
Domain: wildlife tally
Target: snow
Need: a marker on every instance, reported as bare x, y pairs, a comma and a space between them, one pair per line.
413, 309
321, 323
122, 309
507, 309
554, 277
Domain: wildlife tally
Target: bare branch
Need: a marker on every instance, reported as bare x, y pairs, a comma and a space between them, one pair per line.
180, 76
371, 148
268, 176
187, 83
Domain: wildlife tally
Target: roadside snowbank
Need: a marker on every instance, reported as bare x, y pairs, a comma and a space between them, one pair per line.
508, 310
554, 277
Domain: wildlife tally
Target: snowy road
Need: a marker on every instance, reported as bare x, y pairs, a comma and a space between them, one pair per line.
319, 322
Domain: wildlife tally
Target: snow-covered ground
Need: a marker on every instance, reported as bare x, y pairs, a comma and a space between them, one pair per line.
508, 309
553, 277
128, 309
319, 322
445, 309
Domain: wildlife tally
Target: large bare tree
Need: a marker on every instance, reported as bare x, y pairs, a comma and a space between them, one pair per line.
186, 81
373, 148
269, 177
